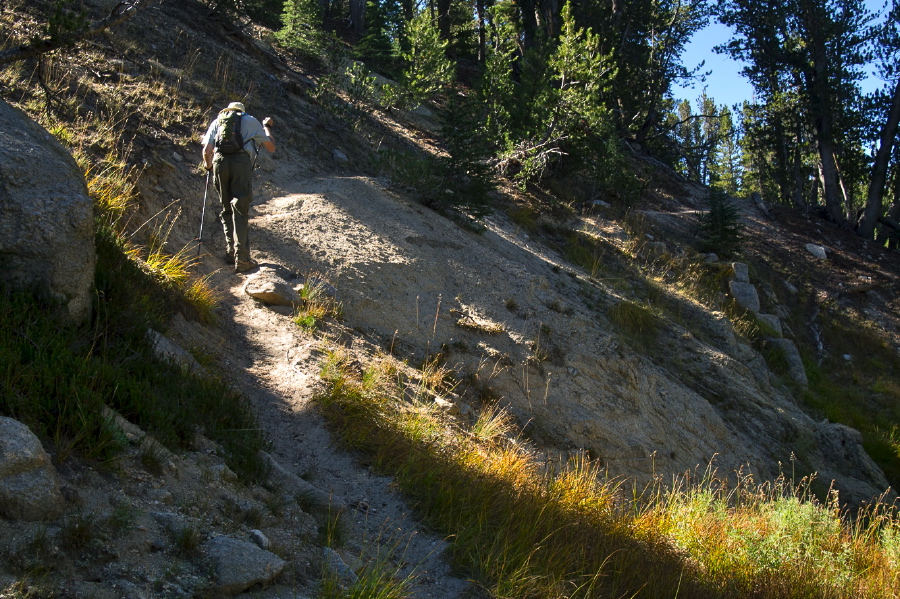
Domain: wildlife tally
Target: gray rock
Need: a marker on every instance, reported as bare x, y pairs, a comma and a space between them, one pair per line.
794, 363
656, 247
170, 522
162, 496
843, 446
710, 258
261, 540
29, 487
282, 479
772, 322
790, 288
133, 433
336, 564
238, 565
741, 272
445, 405
269, 288
339, 156
816, 250
47, 229
745, 295
223, 472
167, 350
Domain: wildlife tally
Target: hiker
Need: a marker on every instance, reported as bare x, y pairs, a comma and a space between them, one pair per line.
230, 147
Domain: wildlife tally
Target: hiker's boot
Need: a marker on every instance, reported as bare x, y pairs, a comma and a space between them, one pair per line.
245, 265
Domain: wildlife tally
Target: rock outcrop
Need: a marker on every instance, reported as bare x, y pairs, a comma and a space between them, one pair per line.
29, 488
688, 395
47, 229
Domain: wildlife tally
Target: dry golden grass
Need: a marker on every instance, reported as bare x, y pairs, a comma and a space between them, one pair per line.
522, 530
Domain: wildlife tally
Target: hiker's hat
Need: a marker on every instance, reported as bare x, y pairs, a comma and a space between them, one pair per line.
236, 106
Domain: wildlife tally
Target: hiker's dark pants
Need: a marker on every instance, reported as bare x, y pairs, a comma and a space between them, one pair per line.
232, 174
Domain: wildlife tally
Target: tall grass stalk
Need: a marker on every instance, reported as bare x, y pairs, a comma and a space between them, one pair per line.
522, 530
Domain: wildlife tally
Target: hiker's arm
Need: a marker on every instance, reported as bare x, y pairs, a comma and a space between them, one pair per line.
267, 127
208, 155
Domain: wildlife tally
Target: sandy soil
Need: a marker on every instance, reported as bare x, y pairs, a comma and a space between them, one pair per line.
276, 365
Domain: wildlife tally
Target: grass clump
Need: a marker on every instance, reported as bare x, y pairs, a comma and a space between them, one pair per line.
634, 318
521, 530
188, 539
316, 304
379, 579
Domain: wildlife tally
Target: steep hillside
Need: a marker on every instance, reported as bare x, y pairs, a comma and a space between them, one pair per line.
597, 324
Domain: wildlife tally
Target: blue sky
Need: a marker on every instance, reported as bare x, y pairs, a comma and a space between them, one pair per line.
725, 85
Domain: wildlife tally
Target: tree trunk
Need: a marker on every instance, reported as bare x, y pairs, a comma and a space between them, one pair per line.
817, 81
551, 15
875, 196
831, 185
797, 198
358, 16
482, 33
443, 21
529, 23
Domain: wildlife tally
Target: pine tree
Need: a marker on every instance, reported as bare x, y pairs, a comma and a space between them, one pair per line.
720, 227
302, 23
428, 69
725, 166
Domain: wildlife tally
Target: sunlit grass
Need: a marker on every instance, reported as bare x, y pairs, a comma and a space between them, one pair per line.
111, 184
521, 529
316, 304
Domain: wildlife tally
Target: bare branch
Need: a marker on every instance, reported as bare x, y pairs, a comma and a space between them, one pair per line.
122, 12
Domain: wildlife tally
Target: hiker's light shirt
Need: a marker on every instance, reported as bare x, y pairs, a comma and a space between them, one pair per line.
251, 130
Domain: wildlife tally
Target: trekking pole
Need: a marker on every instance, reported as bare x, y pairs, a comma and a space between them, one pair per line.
255, 156
203, 214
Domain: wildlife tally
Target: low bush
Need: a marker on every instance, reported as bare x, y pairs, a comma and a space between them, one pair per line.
57, 379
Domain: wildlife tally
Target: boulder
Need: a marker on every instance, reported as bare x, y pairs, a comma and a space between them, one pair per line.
338, 567
816, 250
29, 487
655, 248
772, 322
47, 229
238, 565
793, 362
844, 448
745, 295
269, 288
741, 272
169, 351
261, 540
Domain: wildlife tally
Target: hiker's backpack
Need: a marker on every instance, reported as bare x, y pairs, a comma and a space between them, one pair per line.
228, 132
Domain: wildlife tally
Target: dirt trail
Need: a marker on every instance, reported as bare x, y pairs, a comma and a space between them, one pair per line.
276, 365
